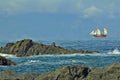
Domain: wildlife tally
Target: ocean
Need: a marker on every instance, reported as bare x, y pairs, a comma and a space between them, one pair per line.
109, 54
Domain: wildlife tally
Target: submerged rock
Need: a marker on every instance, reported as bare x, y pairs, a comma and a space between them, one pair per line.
6, 62
27, 47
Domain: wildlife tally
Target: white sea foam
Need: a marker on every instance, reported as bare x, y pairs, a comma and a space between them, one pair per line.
33, 61
30, 62
7, 55
115, 51
66, 55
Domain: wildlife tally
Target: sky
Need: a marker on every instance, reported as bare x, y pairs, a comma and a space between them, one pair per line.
58, 19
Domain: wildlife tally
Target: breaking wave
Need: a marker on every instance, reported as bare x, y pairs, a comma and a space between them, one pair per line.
7, 55
115, 51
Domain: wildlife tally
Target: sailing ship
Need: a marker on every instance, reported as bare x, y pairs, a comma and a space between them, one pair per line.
98, 34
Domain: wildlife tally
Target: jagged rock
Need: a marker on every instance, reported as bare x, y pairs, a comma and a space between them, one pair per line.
27, 47
6, 62
111, 72
66, 73
53, 44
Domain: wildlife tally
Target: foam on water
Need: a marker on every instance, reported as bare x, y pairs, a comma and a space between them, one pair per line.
7, 55
115, 51
31, 62
60, 55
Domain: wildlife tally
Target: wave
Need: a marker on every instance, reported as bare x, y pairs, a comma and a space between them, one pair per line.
7, 55
62, 55
59, 62
30, 62
54, 55
68, 55
115, 51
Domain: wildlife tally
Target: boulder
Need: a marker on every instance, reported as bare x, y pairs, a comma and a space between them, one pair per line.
66, 73
6, 62
111, 72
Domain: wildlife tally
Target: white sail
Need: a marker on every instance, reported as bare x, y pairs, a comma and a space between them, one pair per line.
93, 33
98, 32
105, 31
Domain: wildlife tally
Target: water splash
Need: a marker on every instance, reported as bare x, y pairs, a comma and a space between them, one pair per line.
115, 51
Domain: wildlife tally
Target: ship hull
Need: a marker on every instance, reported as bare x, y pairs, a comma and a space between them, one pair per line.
99, 36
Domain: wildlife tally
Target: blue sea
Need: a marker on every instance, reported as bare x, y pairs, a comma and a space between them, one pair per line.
109, 54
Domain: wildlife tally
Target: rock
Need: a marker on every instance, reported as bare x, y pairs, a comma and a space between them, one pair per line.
111, 72
66, 73
6, 62
53, 44
30, 76
27, 47
11, 75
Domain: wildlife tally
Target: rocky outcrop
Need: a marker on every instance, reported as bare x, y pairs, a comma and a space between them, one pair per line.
6, 62
28, 47
83, 73
66, 73
111, 72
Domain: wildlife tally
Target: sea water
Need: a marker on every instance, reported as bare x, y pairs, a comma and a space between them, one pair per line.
109, 54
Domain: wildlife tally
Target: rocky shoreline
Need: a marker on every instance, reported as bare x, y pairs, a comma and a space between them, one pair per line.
27, 47
68, 73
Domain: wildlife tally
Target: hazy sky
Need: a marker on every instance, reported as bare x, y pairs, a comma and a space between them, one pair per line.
58, 19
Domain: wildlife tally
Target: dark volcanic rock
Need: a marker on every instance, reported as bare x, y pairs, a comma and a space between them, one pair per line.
27, 47
6, 62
